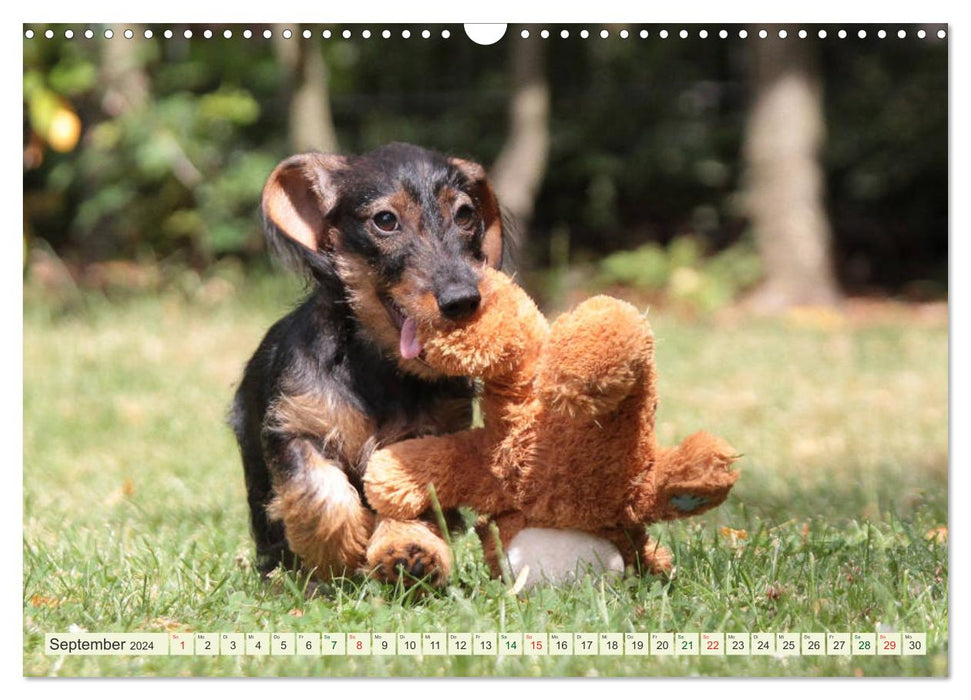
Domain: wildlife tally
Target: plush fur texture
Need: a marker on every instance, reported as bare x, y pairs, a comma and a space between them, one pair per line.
568, 439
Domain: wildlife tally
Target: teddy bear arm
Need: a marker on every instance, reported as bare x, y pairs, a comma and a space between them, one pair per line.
397, 478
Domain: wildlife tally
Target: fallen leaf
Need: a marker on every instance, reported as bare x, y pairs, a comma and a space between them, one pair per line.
41, 601
734, 534
170, 625
126, 489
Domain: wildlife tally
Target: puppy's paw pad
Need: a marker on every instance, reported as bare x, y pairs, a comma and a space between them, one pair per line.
410, 562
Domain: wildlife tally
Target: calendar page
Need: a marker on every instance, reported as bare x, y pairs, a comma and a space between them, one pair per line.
422, 349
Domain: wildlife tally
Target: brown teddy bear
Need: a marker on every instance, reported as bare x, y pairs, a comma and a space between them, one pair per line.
568, 440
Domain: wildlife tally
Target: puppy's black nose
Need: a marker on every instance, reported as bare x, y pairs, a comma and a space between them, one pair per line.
458, 301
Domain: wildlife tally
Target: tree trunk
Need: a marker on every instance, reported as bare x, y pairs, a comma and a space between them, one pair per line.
310, 121
785, 181
127, 88
125, 84
520, 166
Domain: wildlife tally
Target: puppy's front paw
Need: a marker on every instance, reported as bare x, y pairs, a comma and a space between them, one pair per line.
410, 552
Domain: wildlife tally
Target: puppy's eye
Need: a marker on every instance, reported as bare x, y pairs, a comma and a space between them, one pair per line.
385, 221
464, 216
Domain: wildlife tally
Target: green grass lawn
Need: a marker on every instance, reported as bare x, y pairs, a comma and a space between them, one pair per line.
135, 518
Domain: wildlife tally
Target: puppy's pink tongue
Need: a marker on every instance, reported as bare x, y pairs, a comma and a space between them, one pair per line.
410, 345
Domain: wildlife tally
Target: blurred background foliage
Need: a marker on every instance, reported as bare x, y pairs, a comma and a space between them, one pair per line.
144, 158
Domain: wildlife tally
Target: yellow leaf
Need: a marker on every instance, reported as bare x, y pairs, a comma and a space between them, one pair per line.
733, 534
64, 130
170, 625
41, 601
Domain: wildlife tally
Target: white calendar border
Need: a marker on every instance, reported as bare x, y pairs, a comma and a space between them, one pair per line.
11, 644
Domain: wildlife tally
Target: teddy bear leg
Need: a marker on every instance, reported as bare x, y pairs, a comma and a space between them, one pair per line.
595, 358
495, 534
687, 480
410, 550
640, 550
397, 478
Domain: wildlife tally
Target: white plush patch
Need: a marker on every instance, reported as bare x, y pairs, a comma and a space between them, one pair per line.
560, 556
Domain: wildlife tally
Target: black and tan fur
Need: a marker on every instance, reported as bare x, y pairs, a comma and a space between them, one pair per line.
329, 383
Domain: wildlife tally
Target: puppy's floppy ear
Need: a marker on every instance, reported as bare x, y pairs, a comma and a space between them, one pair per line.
299, 196
488, 207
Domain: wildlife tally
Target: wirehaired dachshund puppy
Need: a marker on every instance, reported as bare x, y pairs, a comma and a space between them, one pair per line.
381, 236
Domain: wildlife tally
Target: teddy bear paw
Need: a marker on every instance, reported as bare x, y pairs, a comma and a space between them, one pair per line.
657, 559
